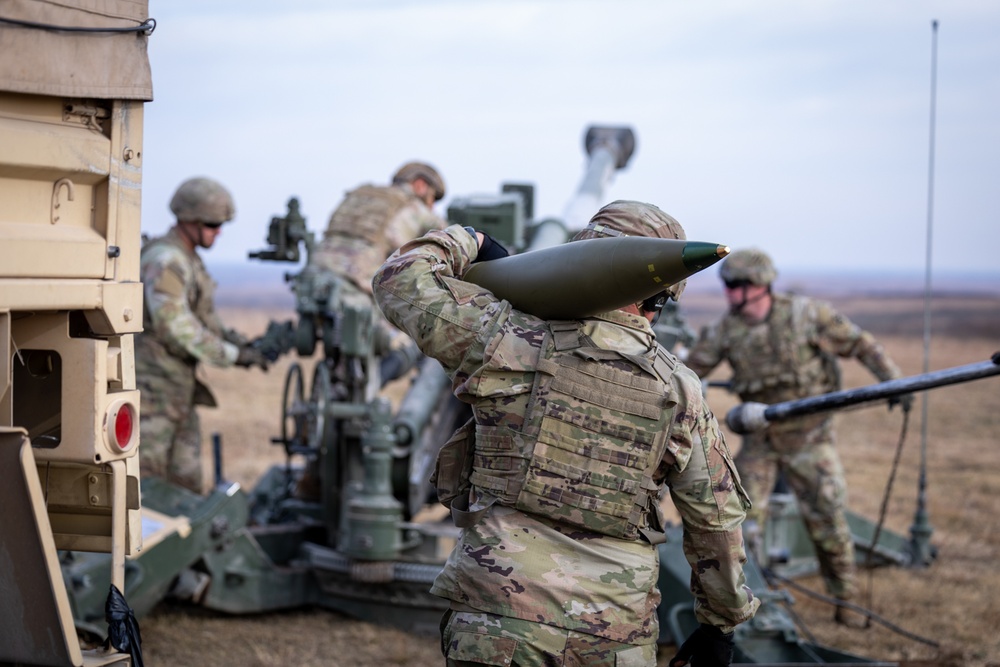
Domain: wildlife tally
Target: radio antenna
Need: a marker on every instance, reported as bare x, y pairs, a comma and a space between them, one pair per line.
921, 530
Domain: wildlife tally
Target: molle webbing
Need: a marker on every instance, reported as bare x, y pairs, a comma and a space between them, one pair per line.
365, 211
601, 386
594, 432
790, 331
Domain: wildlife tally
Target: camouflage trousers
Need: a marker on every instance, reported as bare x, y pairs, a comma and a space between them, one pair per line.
816, 477
478, 638
170, 448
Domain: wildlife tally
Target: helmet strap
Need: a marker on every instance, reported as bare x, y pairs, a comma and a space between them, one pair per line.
184, 228
737, 308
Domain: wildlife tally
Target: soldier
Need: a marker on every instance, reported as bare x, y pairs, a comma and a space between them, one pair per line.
366, 227
599, 410
783, 347
181, 329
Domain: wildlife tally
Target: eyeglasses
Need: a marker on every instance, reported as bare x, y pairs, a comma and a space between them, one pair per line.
213, 225
736, 284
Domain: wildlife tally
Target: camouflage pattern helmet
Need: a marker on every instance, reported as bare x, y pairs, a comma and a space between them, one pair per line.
633, 218
752, 265
411, 171
202, 199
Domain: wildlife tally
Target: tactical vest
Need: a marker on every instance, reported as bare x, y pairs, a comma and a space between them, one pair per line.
200, 294
595, 430
792, 365
364, 212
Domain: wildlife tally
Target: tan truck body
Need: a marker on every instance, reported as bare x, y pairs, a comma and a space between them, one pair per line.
71, 110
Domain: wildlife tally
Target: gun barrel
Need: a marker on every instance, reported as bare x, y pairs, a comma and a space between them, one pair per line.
609, 149
419, 403
751, 417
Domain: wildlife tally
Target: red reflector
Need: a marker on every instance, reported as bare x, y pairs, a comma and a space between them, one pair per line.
124, 424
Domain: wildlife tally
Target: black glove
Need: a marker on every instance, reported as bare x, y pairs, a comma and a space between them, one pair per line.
708, 646
251, 356
490, 248
277, 340
905, 401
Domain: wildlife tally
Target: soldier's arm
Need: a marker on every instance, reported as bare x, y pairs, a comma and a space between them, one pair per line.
839, 335
165, 292
419, 290
706, 353
705, 490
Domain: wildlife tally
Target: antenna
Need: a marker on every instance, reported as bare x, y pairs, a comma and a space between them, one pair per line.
921, 530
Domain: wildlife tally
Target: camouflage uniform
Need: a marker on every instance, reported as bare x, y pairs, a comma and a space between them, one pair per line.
366, 227
527, 587
180, 329
790, 355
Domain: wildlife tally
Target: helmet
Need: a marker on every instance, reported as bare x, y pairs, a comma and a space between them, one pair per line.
632, 218
411, 171
202, 199
752, 265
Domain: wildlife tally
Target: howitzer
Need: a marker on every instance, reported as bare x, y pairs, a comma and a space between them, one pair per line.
752, 417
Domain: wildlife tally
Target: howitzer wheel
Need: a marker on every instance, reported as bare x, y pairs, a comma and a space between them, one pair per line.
305, 337
319, 402
294, 411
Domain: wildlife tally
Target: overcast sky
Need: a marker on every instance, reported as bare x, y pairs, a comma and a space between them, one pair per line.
802, 128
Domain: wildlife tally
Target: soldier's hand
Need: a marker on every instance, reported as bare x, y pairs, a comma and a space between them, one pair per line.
489, 247
708, 646
905, 401
277, 340
251, 356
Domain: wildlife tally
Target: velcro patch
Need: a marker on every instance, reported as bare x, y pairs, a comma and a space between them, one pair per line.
170, 283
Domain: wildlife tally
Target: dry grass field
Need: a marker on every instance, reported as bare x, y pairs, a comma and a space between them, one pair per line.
955, 601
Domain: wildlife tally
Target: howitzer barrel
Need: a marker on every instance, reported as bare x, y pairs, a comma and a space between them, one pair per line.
752, 417
594, 276
609, 149
420, 401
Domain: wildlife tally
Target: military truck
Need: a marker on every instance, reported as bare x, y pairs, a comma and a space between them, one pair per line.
73, 81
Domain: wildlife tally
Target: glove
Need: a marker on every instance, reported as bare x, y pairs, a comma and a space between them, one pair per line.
708, 646
277, 340
489, 249
905, 401
251, 356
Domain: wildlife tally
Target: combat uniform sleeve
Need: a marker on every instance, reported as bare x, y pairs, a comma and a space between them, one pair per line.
706, 353
837, 334
706, 491
412, 221
419, 291
165, 288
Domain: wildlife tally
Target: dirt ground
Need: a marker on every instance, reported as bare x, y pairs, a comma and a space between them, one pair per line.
954, 602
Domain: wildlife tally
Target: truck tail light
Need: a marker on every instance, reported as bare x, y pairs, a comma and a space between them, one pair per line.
122, 426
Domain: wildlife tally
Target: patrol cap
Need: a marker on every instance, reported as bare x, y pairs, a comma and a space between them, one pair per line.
202, 199
411, 171
750, 265
633, 218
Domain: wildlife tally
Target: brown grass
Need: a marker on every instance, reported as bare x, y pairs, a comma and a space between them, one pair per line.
956, 601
